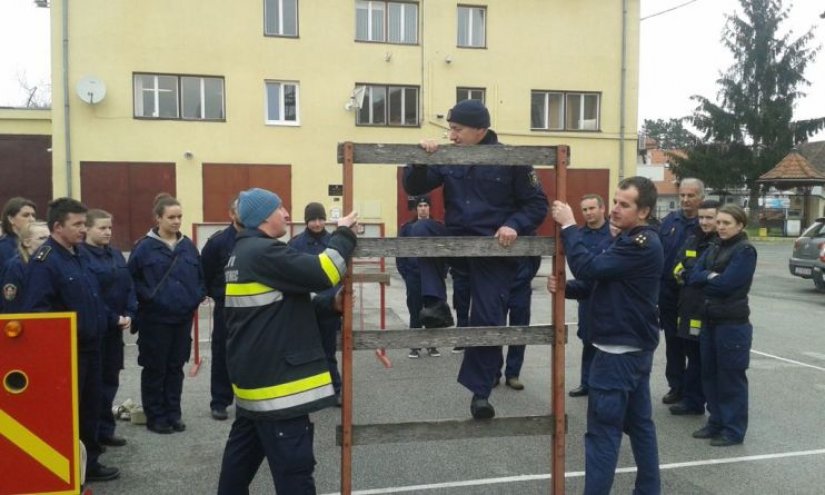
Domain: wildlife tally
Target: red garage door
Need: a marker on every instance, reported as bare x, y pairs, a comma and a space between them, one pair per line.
223, 181
26, 169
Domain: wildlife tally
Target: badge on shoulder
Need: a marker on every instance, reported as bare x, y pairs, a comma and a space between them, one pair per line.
640, 239
42, 253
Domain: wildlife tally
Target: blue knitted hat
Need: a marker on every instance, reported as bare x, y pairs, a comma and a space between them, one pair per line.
471, 113
255, 205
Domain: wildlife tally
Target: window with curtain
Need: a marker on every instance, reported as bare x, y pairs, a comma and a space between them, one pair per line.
386, 22
282, 103
393, 106
472, 26
281, 18
168, 96
564, 111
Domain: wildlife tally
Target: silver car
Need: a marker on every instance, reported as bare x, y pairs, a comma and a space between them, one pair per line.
808, 259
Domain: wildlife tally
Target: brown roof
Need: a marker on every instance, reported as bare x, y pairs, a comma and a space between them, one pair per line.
814, 152
794, 168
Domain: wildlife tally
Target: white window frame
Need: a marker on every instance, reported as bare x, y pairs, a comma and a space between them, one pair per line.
385, 16
280, 31
387, 87
202, 96
282, 103
479, 94
140, 89
582, 125
472, 11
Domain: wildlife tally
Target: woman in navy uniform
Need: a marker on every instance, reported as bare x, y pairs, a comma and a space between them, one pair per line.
17, 212
166, 268
32, 236
724, 273
109, 267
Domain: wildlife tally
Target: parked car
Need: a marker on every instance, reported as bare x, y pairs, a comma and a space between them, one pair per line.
808, 259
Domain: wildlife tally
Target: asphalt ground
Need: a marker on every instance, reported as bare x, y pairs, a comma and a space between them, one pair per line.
784, 451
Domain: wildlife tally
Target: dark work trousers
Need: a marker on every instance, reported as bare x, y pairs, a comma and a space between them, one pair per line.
588, 350
414, 301
89, 395
111, 354
675, 359
619, 401
287, 446
330, 326
490, 280
518, 313
461, 294
219, 386
163, 350
725, 359
692, 395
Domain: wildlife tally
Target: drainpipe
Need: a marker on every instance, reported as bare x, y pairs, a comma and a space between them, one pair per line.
623, 86
66, 117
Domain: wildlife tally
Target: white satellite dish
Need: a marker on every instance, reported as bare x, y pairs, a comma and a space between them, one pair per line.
356, 99
91, 90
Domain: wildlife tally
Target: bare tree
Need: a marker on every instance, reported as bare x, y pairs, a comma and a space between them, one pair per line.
37, 95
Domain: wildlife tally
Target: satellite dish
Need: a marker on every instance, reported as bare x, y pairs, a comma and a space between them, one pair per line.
91, 90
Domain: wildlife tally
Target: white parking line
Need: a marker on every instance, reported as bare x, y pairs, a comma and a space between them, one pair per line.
579, 474
798, 363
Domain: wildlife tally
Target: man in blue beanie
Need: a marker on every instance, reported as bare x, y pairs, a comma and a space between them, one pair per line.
274, 353
500, 201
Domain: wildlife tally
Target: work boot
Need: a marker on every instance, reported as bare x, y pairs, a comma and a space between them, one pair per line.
414, 354
436, 316
514, 383
219, 413
99, 472
481, 408
114, 441
433, 352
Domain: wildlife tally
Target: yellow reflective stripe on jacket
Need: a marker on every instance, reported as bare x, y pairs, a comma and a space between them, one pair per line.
678, 269
247, 289
690, 253
695, 323
333, 264
290, 401
284, 389
251, 295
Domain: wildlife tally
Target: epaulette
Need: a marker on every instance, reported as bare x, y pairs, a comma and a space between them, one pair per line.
640, 239
534, 180
42, 253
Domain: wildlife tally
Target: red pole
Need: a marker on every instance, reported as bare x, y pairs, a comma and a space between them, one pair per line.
346, 342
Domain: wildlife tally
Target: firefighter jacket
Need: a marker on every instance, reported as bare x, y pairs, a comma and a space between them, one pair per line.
274, 354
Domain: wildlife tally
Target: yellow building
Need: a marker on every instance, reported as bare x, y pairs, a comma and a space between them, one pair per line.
204, 98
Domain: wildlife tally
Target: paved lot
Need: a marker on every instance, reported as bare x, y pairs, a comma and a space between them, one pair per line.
783, 453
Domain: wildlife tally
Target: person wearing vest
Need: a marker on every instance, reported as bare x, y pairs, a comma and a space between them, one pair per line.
691, 302
276, 360
623, 327
724, 273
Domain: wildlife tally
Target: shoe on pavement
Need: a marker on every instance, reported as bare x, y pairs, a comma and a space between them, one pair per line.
436, 316
672, 397
579, 391
706, 432
113, 441
457, 350
178, 425
414, 354
723, 441
497, 382
514, 383
161, 428
99, 472
433, 352
220, 414
681, 409
481, 408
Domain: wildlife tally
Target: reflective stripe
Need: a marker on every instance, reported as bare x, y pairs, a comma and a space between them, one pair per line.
247, 289
690, 253
287, 402
695, 323
678, 269
284, 389
253, 301
333, 264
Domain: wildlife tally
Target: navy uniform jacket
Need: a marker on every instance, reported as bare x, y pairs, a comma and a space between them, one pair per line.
305, 242
59, 280
8, 248
172, 299
625, 281
480, 199
673, 232
214, 256
726, 294
596, 241
407, 267
11, 281
109, 266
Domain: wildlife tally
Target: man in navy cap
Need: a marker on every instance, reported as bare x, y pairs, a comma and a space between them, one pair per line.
500, 201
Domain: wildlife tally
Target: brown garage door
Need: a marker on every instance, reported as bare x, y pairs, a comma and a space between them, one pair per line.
223, 181
126, 190
26, 169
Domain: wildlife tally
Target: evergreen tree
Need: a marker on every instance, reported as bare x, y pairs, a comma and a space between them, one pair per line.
670, 134
751, 128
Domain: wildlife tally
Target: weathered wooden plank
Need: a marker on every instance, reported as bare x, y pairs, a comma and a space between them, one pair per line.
431, 247
452, 429
372, 277
448, 154
453, 337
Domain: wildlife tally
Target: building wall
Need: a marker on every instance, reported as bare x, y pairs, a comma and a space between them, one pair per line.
531, 44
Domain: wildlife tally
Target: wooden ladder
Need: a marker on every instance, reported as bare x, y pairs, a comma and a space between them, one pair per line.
553, 424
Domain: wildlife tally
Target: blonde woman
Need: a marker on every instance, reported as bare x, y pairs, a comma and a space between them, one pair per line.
31, 236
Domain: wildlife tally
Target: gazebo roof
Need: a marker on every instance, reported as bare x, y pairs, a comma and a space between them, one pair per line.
794, 170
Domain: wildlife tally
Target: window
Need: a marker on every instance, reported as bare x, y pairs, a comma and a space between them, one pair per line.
160, 96
462, 94
282, 103
563, 111
389, 106
281, 18
472, 27
391, 22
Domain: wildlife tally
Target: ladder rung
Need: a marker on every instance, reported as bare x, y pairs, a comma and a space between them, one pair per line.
430, 247
395, 154
372, 277
451, 429
453, 337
